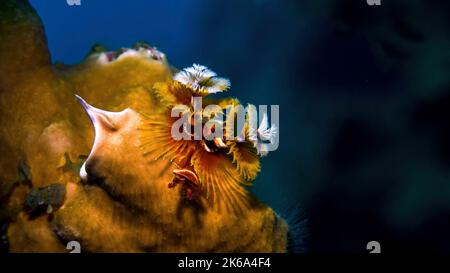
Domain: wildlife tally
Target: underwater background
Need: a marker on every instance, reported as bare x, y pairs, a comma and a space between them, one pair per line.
364, 95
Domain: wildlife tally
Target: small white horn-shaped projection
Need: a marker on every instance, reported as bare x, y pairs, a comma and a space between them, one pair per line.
83, 173
99, 117
105, 124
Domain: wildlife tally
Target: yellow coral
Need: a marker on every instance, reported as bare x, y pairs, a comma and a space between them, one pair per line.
132, 210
